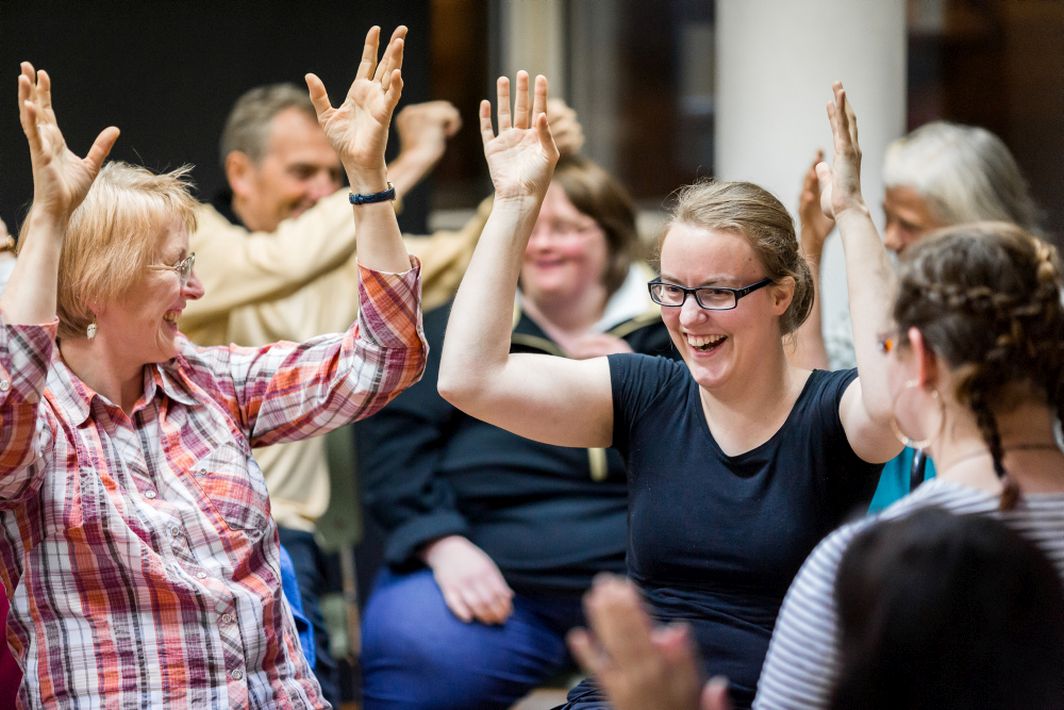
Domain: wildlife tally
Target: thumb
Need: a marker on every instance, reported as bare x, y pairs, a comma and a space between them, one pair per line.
715, 695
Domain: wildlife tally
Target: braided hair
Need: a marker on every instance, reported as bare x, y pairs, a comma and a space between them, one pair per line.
987, 298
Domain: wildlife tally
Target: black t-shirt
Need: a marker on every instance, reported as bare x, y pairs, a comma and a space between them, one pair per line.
715, 540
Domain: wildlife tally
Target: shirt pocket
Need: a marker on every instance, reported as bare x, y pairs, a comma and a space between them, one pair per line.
231, 484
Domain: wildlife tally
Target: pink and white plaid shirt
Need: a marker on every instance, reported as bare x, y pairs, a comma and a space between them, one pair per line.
138, 551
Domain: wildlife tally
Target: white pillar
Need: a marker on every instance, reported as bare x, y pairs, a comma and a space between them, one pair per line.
776, 60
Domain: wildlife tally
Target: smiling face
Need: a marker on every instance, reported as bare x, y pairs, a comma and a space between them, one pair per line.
298, 168
720, 347
140, 327
567, 253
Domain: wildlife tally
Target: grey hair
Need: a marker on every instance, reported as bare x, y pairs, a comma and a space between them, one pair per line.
965, 173
247, 126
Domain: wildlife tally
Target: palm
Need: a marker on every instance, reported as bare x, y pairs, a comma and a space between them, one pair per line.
518, 163
358, 128
60, 178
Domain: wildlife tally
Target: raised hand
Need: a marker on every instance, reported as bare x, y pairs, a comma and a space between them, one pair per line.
60, 178
472, 585
814, 225
522, 156
840, 184
565, 127
358, 127
425, 127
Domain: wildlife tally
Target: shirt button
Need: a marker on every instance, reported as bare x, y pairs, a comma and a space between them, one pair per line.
227, 619
149, 494
5, 385
237, 674
201, 472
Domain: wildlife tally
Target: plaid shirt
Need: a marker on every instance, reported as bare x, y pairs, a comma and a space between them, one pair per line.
138, 551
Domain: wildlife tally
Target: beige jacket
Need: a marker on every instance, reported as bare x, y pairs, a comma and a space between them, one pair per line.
293, 284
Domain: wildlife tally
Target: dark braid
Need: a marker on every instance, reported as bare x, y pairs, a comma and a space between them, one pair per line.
987, 299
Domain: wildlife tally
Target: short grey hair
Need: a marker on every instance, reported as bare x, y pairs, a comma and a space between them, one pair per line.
965, 173
247, 126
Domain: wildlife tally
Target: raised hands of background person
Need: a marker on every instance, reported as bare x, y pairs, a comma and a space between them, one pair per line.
358, 127
840, 184
472, 585
521, 158
565, 127
637, 665
814, 225
60, 178
424, 129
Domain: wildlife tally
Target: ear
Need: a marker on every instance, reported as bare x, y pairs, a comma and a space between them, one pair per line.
782, 293
926, 360
239, 173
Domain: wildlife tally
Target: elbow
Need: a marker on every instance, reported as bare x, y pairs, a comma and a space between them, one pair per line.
454, 388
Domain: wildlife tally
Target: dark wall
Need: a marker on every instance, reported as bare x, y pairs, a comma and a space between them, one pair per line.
166, 73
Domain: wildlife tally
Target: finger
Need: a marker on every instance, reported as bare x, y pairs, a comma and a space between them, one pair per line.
546, 140
452, 124
393, 53
715, 695
101, 148
613, 608
584, 649
502, 90
318, 96
521, 119
393, 91
44, 90
368, 65
539, 102
457, 606
487, 133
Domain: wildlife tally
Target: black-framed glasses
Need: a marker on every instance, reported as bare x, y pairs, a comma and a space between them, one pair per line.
712, 298
183, 268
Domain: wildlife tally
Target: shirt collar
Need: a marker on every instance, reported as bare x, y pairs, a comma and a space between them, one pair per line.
74, 396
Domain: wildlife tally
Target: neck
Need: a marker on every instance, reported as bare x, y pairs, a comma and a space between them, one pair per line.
757, 398
1030, 453
91, 361
244, 214
569, 317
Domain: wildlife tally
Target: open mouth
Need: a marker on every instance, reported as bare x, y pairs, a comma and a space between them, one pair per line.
705, 343
171, 317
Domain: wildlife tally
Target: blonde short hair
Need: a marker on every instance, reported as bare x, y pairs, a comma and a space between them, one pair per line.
114, 235
752, 211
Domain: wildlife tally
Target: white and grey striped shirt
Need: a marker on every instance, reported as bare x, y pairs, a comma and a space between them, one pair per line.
801, 666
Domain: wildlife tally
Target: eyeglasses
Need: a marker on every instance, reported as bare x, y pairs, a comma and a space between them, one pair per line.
887, 343
183, 268
712, 298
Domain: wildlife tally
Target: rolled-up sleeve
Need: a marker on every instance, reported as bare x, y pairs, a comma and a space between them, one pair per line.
289, 391
25, 359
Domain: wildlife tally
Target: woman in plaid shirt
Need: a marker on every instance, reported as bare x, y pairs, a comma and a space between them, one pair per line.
136, 542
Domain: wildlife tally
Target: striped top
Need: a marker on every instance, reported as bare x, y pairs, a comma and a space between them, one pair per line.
802, 663
138, 551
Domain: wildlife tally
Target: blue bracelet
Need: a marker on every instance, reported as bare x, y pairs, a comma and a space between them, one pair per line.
360, 199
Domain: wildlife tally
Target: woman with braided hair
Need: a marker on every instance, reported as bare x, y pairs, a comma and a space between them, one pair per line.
976, 368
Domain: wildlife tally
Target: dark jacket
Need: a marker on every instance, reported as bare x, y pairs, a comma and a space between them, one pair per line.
549, 516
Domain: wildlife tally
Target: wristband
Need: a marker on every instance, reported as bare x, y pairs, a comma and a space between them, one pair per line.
361, 199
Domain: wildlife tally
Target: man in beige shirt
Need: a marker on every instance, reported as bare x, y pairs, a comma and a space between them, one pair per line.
276, 258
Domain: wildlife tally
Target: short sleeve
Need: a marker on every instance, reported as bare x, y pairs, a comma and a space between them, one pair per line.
639, 384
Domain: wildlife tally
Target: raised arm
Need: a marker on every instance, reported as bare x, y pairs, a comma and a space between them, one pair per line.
358, 132
60, 182
549, 399
865, 409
